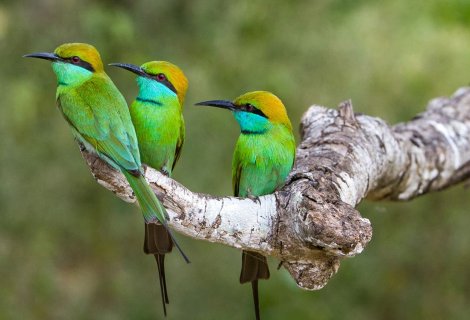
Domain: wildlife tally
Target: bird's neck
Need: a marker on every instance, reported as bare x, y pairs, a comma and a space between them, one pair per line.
155, 93
251, 123
69, 74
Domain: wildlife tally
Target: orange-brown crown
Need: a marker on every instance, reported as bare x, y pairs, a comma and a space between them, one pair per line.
84, 51
268, 103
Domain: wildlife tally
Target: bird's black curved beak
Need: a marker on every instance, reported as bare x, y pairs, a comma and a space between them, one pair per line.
42, 55
130, 67
224, 104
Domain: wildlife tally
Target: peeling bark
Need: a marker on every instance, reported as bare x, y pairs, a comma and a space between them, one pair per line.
311, 223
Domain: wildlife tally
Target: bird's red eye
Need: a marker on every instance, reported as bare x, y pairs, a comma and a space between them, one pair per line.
161, 77
75, 59
250, 107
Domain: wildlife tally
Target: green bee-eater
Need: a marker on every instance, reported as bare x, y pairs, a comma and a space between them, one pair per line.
263, 157
159, 124
100, 120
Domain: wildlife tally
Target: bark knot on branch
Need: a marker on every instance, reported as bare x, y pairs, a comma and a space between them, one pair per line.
311, 223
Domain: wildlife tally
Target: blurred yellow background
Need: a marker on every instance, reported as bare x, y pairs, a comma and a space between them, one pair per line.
69, 249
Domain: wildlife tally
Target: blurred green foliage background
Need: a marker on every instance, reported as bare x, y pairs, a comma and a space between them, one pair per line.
69, 249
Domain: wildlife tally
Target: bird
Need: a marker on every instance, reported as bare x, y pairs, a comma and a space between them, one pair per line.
263, 157
158, 121
100, 121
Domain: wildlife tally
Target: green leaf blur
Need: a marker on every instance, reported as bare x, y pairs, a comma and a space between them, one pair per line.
69, 249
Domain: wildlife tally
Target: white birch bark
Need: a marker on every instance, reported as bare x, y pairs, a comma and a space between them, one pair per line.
310, 224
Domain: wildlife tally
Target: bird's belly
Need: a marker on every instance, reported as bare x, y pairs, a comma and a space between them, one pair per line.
158, 156
157, 135
257, 181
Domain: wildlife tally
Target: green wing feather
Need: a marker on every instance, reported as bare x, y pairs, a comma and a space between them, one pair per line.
179, 144
98, 112
236, 175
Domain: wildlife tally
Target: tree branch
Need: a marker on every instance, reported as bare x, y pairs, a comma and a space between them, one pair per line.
311, 224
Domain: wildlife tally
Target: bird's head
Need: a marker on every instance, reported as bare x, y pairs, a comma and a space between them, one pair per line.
255, 111
158, 78
72, 62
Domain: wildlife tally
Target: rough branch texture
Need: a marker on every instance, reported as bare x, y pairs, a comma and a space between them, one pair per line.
311, 224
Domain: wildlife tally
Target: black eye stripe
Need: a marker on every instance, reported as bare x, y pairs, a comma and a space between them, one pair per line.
80, 63
157, 77
248, 107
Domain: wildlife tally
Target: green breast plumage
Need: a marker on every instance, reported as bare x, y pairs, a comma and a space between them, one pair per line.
262, 161
160, 132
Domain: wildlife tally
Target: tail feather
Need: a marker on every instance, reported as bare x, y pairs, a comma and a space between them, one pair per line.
254, 267
161, 257
161, 278
254, 289
152, 209
157, 239
158, 242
